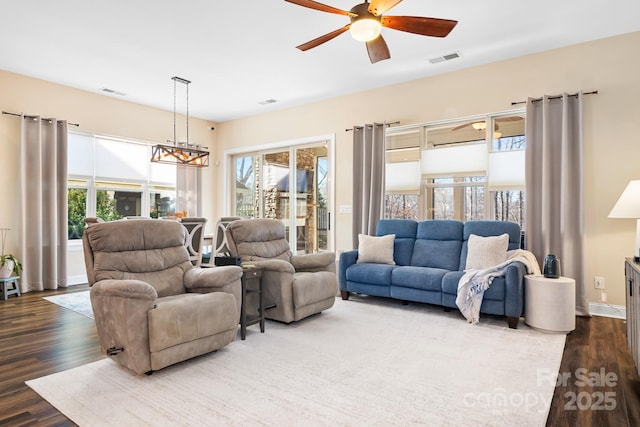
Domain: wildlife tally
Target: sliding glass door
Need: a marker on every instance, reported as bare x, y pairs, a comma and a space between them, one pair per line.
291, 185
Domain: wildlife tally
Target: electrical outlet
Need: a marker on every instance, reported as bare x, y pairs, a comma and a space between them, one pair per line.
599, 282
604, 297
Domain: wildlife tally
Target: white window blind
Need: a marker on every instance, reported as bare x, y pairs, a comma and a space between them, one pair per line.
402, 177
506, 170
80, 154
455, 159
120, 160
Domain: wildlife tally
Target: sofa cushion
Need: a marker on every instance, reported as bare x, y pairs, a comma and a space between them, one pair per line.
438, 244
495, 292
424, 278
148, 250
309, 288
375, 249
450, 282
189, 317
489, 228
374, 274
405, 231
486, 252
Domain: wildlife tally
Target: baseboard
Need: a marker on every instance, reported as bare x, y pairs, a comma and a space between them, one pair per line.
80, 279
608, 310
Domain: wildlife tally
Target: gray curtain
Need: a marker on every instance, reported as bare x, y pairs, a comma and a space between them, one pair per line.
368, 178
554, 186
189, 190
43, 199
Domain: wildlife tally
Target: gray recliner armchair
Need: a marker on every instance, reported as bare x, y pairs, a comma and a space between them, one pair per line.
298, 285
152, 307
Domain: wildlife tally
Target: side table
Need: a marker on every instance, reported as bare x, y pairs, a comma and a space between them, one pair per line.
5, 283
251, 284
550, 304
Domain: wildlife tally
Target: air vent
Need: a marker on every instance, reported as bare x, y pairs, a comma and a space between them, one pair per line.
268, 101
443, 58
112, 92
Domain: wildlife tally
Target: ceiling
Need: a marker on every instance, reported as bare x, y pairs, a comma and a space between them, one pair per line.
238, 54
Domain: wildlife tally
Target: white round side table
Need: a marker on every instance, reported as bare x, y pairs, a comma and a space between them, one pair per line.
550, 304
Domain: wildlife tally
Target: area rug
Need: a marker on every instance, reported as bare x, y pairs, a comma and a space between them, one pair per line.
76, 301
364, 362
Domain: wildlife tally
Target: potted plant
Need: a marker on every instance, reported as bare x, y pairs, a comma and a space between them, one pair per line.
9, 264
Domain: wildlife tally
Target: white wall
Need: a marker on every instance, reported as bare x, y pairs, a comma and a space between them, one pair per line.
93, 112
611, 130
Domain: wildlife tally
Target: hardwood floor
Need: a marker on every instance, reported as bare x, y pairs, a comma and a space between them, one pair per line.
39, 338
601, 377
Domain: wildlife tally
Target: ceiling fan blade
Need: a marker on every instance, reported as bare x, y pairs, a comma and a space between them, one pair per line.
320, 6
323, 39
508, 119
433, 27
379, 7
461, 126
378, 49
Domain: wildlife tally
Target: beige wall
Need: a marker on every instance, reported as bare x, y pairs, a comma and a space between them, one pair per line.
611, 130
93, 112
612, 126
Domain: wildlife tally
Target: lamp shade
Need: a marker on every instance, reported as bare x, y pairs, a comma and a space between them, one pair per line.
365, 30
628, 204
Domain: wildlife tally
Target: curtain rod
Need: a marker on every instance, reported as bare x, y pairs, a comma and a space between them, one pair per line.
33, 117
593, 92
397, 122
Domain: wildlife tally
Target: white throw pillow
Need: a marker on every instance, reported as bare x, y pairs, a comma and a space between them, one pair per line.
376, 249
486, 252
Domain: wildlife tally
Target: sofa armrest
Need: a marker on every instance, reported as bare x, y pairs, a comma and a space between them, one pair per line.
135, 289
277, 286
275, 265
324, 261
120, 310
347, 258
514, 289
217, 279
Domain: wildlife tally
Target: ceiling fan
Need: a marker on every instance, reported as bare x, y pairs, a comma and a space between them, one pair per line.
481, 124
367, 22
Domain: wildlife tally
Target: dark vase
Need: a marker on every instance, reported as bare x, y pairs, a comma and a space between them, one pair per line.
551, 267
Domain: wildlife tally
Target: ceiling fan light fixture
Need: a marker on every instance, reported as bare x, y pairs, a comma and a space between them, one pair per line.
365, 29
479, 125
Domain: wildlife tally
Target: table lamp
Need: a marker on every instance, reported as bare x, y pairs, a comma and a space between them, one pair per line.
628, 206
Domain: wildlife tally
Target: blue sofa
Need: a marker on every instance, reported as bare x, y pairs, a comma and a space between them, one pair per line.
430, 258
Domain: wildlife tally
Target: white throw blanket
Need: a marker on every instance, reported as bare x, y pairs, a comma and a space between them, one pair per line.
474, 283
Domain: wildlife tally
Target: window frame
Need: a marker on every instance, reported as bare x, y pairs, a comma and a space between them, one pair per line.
144, 186
427, 184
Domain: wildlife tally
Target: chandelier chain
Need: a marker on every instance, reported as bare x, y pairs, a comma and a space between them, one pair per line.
175, 138
187, 113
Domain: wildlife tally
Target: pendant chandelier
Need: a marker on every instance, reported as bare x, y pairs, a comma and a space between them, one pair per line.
180, 153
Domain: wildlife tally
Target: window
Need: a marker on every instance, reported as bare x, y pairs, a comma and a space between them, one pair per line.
457, 170
290, 183
112, 178
77, 210
402, 174
162, 201
460, 198
246, 170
